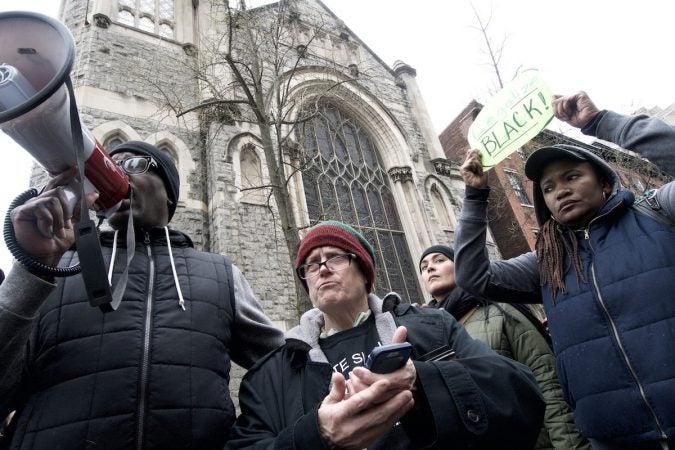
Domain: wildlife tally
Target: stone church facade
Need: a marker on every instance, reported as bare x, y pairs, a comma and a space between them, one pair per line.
371, 157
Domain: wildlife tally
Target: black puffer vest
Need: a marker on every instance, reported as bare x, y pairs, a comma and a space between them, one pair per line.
149, 375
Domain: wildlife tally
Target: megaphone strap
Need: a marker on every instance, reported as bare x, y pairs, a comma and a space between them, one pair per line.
121, 285
86, 234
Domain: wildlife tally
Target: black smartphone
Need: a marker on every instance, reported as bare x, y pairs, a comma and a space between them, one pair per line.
388, 358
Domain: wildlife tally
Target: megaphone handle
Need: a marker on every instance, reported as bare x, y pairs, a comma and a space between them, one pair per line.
74, 192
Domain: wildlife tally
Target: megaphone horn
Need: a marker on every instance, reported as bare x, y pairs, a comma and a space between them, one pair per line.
36, 57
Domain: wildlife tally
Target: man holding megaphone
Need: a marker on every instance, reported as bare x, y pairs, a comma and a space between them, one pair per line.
152, 374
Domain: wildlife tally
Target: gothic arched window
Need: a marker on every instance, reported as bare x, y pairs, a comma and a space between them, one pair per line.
153, 16
251, 175
112, 142
344, 180
445, 217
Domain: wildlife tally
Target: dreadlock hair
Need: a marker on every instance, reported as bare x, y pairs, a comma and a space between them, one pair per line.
553, 243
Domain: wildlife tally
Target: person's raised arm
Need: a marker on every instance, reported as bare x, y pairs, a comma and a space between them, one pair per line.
514, 280
577, 110
651, 137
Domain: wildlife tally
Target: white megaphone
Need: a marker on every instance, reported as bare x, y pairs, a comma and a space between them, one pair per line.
38, 111
36, 57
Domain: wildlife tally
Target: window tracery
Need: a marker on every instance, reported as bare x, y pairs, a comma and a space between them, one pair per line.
153, 16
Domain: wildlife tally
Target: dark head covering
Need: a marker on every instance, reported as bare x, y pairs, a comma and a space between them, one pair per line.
542, 157
444, 249
166, 168
340, 235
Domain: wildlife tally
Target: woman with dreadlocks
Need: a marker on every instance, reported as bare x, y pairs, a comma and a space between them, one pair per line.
604, 268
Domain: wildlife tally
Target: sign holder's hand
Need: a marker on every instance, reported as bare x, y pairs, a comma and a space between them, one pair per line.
472, 170
514, 116
577, 109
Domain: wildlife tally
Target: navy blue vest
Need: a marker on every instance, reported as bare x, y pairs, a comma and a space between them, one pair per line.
614, 334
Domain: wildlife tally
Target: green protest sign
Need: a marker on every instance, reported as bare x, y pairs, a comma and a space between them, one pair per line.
511, 118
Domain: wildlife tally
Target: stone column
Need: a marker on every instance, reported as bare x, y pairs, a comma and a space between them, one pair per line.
407, 75
412, 215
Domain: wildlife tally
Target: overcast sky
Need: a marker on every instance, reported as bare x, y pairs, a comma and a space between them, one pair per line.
619, 51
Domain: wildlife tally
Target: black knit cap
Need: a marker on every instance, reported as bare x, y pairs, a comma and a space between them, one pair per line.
443, 249
166, 168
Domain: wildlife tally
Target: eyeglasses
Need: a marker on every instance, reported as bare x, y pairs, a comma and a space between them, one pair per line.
334, 264
137, 164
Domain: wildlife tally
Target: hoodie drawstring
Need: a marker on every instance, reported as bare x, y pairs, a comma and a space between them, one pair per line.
121, 286
181, 301
112, 258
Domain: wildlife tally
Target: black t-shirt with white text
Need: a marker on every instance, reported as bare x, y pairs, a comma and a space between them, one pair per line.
350, 348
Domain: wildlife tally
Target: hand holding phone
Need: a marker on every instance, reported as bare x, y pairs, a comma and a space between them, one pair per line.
388, 358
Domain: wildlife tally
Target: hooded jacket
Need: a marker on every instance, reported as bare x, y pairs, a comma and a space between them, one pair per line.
479, 400
149, 375
611, 334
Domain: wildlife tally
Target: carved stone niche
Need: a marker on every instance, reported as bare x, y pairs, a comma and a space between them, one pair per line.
442, 166
400, 174
101, 20
190, 49
293, 16
292, 149
354, 70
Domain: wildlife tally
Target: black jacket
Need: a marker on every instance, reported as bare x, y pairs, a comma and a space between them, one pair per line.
479, 400
149, 375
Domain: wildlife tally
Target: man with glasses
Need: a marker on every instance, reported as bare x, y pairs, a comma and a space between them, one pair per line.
314, 392
155, 372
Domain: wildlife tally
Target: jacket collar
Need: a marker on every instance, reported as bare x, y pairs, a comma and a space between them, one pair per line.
312, 322
156, 234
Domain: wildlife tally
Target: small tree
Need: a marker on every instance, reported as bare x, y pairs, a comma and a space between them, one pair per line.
247, 76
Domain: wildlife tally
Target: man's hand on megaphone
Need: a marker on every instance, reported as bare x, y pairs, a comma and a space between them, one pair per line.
42, 226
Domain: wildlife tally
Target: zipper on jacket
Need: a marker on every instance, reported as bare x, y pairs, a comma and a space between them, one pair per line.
146, 344
615, 332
